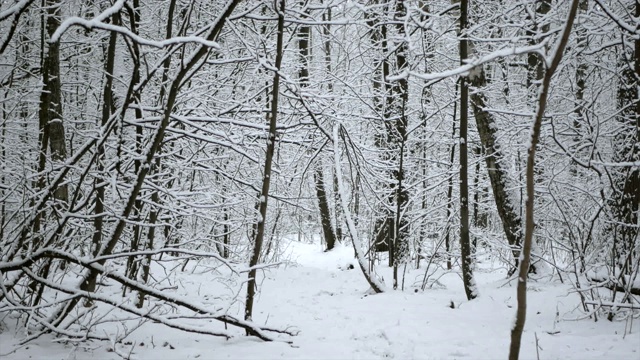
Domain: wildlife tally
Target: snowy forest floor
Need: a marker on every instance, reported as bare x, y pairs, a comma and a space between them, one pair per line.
329, 304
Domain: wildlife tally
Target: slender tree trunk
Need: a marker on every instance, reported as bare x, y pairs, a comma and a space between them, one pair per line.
369, 275
580, 78
304, 34
325, 214
401, 91
134, 16
266, 181
521, 312
326, 30
480, 218
384, 226
466, 259
447, 237
100, 182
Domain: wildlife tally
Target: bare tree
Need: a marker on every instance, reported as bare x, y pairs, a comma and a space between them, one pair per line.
304, 38
266, 180
523, 271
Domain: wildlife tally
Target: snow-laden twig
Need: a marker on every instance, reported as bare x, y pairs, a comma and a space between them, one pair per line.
98, 23
258, 331
50, 252
15, 9
473, 63
613, 305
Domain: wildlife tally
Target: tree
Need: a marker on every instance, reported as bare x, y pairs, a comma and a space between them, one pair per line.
266, 180
625, 186
465, 242
304, 34
523, 271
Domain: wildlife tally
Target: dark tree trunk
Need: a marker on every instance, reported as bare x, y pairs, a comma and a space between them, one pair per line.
399, 133
51, 117
508, 210
266, 181
625, 202
465, 243
325, 214
304, 34
384, 227
100, 183
326, 30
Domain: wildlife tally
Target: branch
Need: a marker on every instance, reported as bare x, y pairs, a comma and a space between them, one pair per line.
91, 264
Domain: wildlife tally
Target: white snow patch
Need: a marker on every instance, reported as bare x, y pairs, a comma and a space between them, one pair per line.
337, 319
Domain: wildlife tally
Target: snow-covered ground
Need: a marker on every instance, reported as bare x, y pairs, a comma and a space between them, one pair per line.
337, 318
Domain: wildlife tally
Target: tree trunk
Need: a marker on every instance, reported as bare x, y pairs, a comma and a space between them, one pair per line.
399, 133
508, 210
51, 117
625, 200
325, 214
100, 182
266, 181
370, 276
384, 224
521, 312
326, 30
304, 34
465, 244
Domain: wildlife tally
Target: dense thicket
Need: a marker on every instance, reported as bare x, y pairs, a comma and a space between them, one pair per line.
137, 133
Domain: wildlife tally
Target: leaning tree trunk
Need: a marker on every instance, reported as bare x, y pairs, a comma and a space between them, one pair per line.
521, 312
370, 276
508, 210
266, 180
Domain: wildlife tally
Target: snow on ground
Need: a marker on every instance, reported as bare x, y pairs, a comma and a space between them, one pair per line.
330, 305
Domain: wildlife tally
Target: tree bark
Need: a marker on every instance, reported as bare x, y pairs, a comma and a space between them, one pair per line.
465, 244
266, 181
521, 312
304, 34
507, 208
625, 200
51, 117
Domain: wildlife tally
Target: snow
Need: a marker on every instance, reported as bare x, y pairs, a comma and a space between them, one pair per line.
98, 23
318, 294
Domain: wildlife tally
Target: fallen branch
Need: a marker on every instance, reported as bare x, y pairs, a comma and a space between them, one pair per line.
93, 265
613, 305
614, 285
